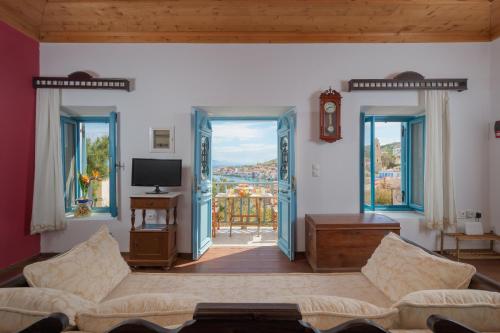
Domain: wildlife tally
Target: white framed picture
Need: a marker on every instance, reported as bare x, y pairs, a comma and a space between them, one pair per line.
161, 140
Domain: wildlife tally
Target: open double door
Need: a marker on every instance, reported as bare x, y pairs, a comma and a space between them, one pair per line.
202, 184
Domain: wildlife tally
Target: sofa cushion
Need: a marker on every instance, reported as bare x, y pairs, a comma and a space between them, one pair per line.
247, 287
161, 309
324, 312
90, 270
477, 309
398, 268
21, 307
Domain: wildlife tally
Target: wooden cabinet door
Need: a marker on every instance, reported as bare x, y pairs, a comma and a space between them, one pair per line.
149, 245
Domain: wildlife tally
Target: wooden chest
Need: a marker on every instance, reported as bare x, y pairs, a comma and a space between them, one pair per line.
344, 242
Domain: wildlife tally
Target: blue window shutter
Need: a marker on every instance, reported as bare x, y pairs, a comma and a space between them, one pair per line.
414, 202
371, 119
404, 161
113, 208
69, 200
362, 163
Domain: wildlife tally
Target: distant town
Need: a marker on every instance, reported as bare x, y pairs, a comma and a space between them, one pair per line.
266, 171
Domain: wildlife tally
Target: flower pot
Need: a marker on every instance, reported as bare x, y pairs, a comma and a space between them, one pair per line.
83, 207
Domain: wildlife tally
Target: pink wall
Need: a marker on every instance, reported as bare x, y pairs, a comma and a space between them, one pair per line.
19, 61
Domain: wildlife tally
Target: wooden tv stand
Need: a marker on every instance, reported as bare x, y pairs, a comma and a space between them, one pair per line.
153, 244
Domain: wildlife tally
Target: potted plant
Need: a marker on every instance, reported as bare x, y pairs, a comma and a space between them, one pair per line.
84, 204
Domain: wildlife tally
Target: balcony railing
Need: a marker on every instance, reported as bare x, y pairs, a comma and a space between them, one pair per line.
244, 205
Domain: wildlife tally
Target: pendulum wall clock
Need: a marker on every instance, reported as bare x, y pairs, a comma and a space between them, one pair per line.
329, 110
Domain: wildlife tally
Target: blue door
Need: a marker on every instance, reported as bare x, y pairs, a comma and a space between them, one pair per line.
287, 207
202, 185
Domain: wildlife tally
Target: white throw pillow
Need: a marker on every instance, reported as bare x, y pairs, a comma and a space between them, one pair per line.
324, 312
398, 268
477, 309
21, 307
90, 270
161, 309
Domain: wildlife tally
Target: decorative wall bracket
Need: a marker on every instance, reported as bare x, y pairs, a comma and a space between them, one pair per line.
408, 81
82, 80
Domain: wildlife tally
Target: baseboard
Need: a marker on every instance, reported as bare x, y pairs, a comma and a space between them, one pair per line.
186, 256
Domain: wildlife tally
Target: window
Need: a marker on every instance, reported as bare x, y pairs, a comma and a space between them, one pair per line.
89, 148
392, 158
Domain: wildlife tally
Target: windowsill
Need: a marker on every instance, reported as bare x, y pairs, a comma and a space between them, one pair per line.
70, 217
405, 214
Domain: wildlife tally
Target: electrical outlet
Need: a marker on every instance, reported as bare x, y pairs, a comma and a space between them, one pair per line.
315, 170
470, 213
151, 216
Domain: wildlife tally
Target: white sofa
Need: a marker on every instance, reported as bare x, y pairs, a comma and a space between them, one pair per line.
398, 289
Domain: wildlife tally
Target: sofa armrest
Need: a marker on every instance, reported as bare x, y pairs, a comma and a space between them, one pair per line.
54, 323
17, 281
439, 324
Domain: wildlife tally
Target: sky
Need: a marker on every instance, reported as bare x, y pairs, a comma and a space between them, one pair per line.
243, 142
95, 130
388, 132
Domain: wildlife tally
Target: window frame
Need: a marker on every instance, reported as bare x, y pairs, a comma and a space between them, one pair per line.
111, 120
69, 120
406, 162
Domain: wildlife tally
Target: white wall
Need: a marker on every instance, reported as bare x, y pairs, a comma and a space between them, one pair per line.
171, 78
495, 143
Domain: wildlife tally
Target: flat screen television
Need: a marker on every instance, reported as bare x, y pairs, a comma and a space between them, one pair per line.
154, 172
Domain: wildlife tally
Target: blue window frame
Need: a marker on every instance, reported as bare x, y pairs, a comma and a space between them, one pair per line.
99, 134
392, 173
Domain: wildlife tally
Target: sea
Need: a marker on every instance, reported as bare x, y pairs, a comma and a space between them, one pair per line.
238, 179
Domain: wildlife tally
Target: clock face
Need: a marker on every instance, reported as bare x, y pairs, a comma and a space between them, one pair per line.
330, 107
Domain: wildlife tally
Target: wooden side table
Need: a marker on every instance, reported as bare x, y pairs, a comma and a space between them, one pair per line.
153, 244
471, 254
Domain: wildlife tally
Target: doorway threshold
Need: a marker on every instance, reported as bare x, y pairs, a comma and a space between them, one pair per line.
245, 237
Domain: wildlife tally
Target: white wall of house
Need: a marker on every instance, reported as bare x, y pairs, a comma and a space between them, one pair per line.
171, 78
494, 189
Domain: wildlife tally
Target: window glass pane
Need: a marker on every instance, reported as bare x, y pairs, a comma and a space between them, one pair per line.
95, 161
417, 165
69, 164
367, 164
388, 163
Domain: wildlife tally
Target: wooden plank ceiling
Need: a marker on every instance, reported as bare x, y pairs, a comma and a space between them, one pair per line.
495, 19
254, 21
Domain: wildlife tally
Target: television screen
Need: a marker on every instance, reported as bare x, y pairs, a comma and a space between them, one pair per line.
151, 172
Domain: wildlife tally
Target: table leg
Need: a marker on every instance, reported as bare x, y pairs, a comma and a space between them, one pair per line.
143, 217
175, 215
133, 218
231, 205
442, 243
167, 217
458, 249
257, 210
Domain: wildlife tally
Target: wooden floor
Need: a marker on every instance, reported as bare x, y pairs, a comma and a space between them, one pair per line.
264, 259
488, 267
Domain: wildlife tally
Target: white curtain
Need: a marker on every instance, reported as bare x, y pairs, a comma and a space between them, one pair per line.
48, 197
439, 199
